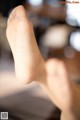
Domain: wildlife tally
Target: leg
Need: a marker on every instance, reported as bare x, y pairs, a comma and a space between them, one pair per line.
30, 66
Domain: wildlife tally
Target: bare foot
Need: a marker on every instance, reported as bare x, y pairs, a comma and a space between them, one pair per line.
63, 92
59, 87
28, 61
29, 64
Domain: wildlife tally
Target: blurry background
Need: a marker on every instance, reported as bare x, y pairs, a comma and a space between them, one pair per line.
57, 31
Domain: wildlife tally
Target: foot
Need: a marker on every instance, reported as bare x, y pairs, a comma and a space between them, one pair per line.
60, 87
63, 92
29, 64
28, 60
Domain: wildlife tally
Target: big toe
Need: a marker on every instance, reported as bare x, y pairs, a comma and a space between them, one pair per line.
56, 67
17, 13
51, 66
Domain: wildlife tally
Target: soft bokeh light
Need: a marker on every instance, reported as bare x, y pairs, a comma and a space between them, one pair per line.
75, 40
69, 52
36, 2
53, 3
56, 36
73, 16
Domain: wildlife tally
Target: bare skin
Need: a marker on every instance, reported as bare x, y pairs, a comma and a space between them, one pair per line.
30, 66
23, 45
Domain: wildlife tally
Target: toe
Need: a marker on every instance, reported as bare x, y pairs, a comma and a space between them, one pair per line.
62, 69
51, 66
18, 13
